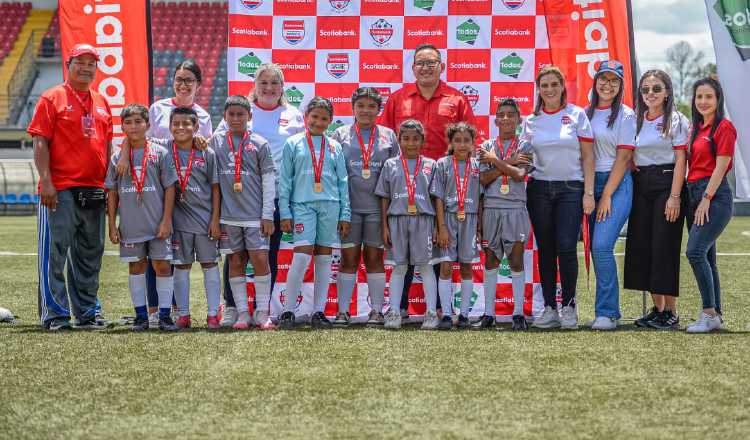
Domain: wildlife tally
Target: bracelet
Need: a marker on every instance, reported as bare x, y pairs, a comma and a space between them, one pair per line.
676, 196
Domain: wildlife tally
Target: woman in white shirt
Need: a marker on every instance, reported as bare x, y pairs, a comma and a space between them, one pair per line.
560, 191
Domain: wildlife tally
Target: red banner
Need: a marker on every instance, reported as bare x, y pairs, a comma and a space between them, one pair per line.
121, 37
582, 33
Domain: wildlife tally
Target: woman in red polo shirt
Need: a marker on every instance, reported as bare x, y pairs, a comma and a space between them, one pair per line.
710, 204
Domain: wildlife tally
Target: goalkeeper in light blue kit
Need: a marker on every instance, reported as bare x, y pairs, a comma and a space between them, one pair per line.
314, 205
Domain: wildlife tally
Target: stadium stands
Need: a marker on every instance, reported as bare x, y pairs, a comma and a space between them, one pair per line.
12, 17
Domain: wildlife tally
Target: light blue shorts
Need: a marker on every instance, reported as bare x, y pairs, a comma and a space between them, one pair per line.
315, 223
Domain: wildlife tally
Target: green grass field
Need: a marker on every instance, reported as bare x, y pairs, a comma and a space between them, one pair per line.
363, 383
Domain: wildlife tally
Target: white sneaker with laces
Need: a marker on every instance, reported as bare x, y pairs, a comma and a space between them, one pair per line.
228, 316
431, 321
392, 319
604, 323
569, 318
153, 320
548, 319
705, 323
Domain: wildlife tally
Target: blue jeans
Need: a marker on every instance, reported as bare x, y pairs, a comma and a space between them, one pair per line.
556, 210
603, 238
701, 247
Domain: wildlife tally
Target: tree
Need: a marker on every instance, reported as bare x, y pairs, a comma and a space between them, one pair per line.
686, 65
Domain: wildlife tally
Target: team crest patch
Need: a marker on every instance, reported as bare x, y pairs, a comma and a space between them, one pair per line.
472, 95
337, 64
339, 5
299, 228
426, 169
474, 171
200, 162
566, 120
283, 122
293, 31
251, 4
381, 32
513, 4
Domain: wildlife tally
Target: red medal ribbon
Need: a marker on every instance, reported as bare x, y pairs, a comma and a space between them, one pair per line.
237, 155
511, 149
86, 110
138, 182
188, 169
461, 189
411, 183
366, 153
317, 164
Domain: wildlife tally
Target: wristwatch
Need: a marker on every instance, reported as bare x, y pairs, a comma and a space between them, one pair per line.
589, 193
707, 196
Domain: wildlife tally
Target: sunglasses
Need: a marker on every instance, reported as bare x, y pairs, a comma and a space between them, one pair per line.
656, 89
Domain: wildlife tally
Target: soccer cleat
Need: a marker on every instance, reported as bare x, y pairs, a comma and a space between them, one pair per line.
229, 316
705, 324
446, 323
486, 322
375, 319
140, 324
404, 314
183, 322
166, 324
56, 326
153, 320
463, 322
263, 321
286, 321
94, 324
431, 321
548, 319
645, 319
519, 323
604, 323
666, 321
569, 318
318, 321
392, 320
213, 323
244, 321
342, 320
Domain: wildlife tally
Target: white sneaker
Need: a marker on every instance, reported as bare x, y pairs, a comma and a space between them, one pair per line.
392, 319
705, 323
548, 319
569, 318
228, 316
431, 321
604, 323
244, 321
153, 320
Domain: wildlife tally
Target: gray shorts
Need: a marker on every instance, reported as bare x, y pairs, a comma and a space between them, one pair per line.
365, 229
411, 236
237, 239
463, 244
155, 248
188, 248
501, 227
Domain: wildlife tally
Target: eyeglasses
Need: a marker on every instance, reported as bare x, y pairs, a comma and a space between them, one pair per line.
611, 82
185, 81
645, 90
429, 64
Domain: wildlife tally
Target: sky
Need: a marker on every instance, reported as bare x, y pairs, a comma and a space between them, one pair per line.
661, 23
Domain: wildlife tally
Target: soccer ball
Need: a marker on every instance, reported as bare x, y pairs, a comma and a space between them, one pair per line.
5, 315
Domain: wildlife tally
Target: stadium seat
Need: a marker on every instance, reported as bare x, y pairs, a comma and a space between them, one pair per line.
25, 199
11, 199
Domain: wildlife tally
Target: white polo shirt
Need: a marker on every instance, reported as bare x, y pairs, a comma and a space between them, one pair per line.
653, 148
158, 117
607, 140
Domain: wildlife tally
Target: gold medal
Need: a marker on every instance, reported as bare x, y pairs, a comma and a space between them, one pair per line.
504, 188
412, 210
461, 216
365, 173
182, 197
318, 187
237, 187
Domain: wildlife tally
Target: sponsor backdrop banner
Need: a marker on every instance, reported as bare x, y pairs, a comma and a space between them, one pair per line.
730, 28
122, 41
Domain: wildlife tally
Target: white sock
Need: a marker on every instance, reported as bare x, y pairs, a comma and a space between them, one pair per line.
490, 291
322, 281
263, 292
294, 279
182, 291
137, 285
519, 286
345, 288
429, 287
376, 288
466, 289
239, 292
212, 285
165, 290
445, 288
396, 287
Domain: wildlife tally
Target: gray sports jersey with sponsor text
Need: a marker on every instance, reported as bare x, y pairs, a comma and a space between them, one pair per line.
392, 185
444, 184
493, 198
194, 214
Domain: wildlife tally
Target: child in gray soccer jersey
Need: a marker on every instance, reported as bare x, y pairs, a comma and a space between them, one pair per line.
366, 147
247, 180
505, 221
408, 220
144, 199
457, 189
196, 216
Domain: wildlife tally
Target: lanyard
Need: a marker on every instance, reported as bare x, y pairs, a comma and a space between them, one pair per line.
411, 182
189, 168
139, 181
366, 154
461, 189
237, 155
504, 185
317, 163
86, 110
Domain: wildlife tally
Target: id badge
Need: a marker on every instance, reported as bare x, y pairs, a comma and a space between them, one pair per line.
89, 126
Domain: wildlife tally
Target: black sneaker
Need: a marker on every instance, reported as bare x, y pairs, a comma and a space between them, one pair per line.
667, 321
318, 321
286, 321
94, 324
463, 322
486, 322
166, 324
446, 323
56, 326
648, 317
140, 324
519, 323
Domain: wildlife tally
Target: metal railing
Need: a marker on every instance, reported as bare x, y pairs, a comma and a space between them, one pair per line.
22, 78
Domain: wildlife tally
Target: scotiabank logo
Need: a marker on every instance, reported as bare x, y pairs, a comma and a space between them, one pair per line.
511, 31
338, 32
381, 32
297, 65
469, 64
425, 30
250, 31
340, 95
385, 93
293, 31
294, 8
380, 66
337, 64
391, 8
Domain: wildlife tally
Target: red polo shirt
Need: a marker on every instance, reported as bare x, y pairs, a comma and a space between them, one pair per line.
75, 160
446, 106
701, 160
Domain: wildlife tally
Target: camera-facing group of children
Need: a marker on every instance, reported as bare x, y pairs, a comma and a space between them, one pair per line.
361, 187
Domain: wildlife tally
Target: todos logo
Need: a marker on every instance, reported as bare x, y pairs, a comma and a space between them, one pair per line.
736, 17
293, 31
248, 64
251, 4
337, 64
381, 32
294, 96
471, 94
335, 125
457, 300
424, 4
511, 65
467, 32
513, 4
